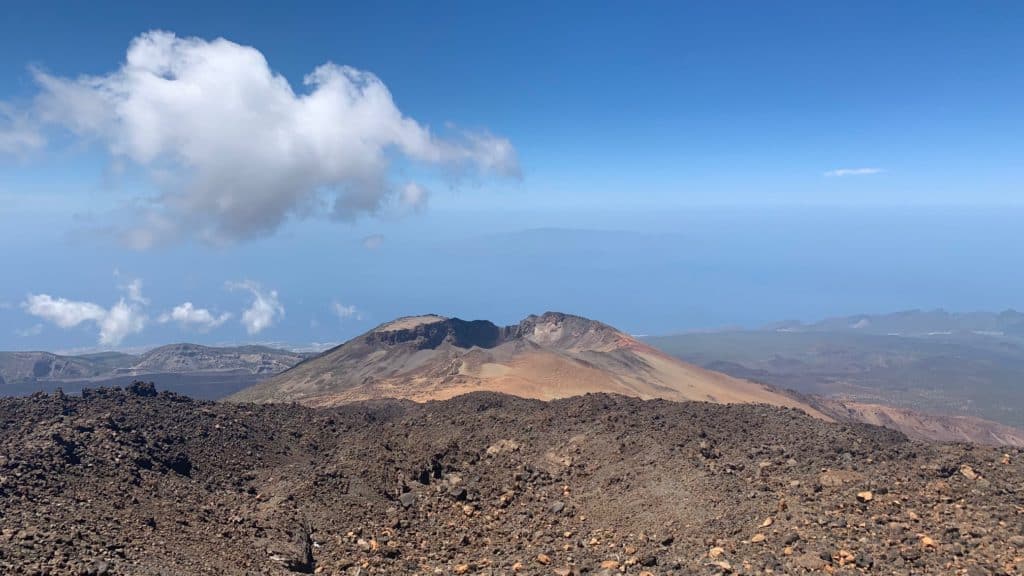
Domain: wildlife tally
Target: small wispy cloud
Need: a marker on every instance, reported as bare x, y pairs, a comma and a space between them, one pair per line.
373, 241
34, 330
134, 290
853, 172
345, 312
17, 133
413, 197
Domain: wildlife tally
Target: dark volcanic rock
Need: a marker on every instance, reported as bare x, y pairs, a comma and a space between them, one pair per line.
461, 333
125, 482
146, 389
481, 333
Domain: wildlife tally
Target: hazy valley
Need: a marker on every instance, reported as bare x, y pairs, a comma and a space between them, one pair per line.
195, 370
968, 365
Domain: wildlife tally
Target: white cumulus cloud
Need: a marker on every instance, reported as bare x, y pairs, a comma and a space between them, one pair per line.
236, 150
188, 316
62, 312
124, 318
264, 310
854, 172
121, 320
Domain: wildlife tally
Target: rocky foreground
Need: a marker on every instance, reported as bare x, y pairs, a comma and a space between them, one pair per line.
134, 482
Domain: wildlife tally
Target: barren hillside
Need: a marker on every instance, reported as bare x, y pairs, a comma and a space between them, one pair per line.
546, 357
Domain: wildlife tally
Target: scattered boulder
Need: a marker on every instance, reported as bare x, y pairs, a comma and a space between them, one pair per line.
810, 561
968, 472
407, 499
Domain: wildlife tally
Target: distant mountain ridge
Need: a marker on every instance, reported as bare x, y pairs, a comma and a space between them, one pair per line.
16, 366
917, 323
194, 357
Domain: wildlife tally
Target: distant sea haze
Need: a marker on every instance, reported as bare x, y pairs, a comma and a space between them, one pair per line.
644, 272
713, 268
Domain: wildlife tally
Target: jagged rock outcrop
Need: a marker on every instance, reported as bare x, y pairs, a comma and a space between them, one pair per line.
550, 329
453, 331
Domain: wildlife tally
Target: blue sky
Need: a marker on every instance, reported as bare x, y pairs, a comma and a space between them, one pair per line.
826, 158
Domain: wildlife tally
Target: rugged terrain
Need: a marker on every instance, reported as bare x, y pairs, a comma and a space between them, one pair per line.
131, 482
201, 371
553, 355
557, 355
